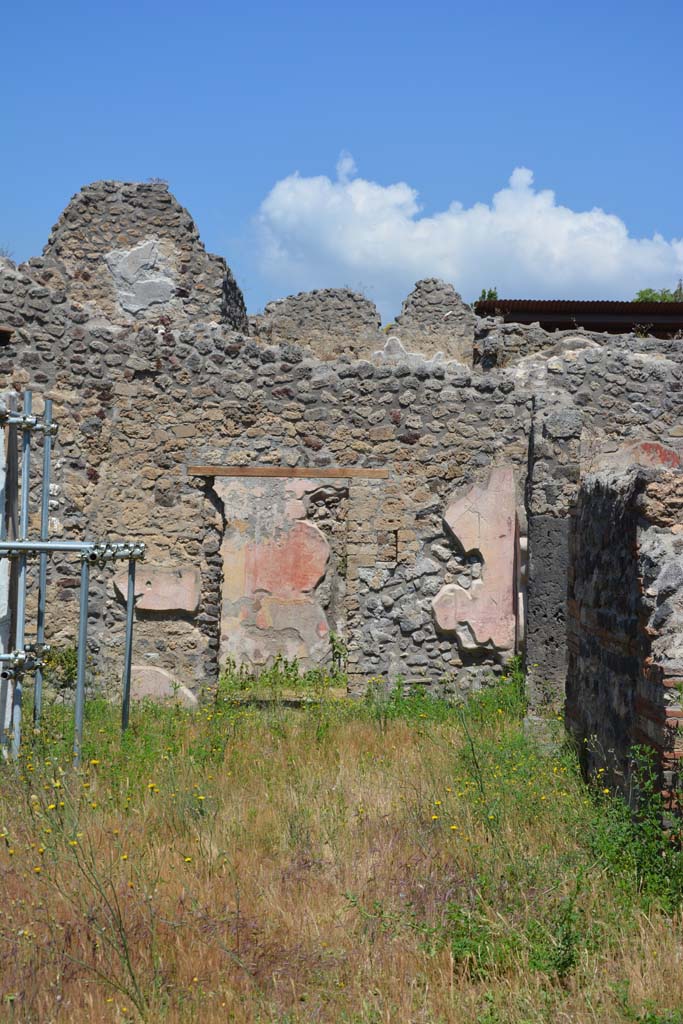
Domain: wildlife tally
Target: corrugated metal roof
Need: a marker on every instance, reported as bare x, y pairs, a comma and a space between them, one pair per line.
662, 319
672, 309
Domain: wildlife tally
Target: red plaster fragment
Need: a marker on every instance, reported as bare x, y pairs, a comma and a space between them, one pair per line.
293, 564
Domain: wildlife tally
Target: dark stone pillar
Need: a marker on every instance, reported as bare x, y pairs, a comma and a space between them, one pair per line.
552, 487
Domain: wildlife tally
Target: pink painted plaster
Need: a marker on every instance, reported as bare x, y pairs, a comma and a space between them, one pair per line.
273, 561
484, 520
289, 565
162, 590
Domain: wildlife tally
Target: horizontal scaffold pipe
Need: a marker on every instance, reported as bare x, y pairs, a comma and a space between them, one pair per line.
95, 549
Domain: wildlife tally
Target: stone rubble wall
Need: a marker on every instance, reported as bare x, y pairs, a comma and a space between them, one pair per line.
434, 319
500, 344
167, 399
329, 321
626, 618
398, 550
149, 380
126, 248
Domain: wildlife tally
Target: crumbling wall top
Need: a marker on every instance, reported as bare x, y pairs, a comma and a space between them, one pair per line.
134, 251
435, 318
329, 321
434, 303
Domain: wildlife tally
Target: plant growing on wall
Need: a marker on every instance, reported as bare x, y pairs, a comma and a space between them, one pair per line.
60, 667
339, 652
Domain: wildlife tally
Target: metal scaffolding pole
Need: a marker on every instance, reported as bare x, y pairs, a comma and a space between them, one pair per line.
128, 654
42, 572
96, 551
5, 587
34, 547
21, 586
16, 547
82, 657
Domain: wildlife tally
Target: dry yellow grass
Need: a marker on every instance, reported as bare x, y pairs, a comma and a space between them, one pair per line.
332, 865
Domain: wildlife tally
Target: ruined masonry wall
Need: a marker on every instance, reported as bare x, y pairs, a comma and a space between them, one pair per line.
332, 321
625, 620
434, 319
165, 401
127, 248
147, 357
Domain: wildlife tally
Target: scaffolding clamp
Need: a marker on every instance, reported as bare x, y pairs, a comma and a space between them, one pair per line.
9, 552
22, 420
48, 429
102, 552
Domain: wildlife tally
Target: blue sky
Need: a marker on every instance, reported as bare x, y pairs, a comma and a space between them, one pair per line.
229, 102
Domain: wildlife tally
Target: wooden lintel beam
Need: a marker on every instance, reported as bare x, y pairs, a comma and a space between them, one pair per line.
312, 472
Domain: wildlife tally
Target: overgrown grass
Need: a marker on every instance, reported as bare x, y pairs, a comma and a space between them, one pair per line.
396, 859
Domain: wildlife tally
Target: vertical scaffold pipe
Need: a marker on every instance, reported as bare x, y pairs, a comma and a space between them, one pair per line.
19, 635
128, 654
82, 656
42, 571
9, 528
12, 526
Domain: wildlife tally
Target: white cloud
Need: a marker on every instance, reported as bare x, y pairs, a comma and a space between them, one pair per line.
317, 232
346, 167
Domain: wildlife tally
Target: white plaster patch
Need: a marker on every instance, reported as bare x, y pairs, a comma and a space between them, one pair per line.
141, 278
